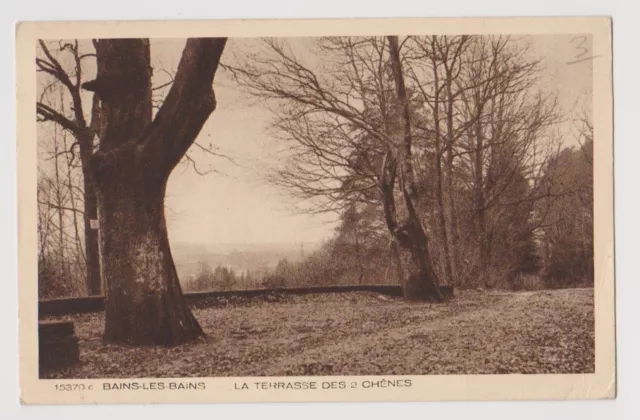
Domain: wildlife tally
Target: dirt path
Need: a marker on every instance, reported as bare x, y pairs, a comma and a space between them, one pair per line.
362, 334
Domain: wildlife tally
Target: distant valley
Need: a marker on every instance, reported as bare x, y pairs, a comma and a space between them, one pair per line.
189, 258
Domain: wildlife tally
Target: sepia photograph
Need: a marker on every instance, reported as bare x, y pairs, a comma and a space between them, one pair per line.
379, 204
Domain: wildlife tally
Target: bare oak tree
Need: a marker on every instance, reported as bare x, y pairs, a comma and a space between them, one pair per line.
136, 154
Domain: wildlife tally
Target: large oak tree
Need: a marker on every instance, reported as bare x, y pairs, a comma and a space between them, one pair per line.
136, 154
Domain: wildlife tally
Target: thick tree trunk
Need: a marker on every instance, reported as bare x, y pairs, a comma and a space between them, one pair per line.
421, 283
144, 303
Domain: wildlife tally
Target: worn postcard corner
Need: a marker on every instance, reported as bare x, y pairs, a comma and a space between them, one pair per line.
315, 210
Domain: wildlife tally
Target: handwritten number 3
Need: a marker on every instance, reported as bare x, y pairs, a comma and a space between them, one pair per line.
579, 42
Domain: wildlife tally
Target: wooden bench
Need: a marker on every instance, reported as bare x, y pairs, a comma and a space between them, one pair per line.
57, 344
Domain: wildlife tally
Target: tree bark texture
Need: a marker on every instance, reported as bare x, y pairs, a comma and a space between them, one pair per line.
144, 301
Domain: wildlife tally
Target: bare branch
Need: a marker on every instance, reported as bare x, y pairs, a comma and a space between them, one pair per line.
46, 113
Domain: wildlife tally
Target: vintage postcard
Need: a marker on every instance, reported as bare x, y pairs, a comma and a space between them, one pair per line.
315, 210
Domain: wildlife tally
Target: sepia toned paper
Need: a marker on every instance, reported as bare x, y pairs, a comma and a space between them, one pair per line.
247, 218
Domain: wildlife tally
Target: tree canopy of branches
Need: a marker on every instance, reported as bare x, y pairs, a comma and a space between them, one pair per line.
466, 145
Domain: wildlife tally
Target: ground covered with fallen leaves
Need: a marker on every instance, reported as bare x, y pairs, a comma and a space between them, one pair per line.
361, 333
